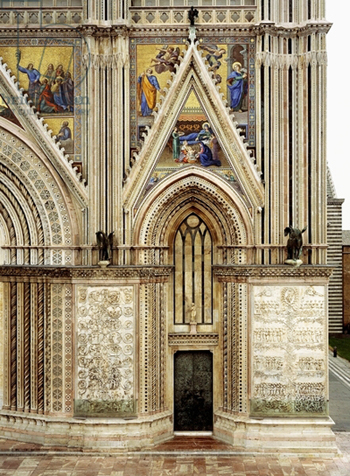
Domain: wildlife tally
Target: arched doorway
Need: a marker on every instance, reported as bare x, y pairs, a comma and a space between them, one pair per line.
191, 226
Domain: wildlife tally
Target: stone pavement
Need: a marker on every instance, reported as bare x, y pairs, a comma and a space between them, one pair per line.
339, 393
170, 459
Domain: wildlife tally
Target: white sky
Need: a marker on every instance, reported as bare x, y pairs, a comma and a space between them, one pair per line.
338, 102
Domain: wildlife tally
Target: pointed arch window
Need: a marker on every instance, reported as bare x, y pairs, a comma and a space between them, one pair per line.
193, 257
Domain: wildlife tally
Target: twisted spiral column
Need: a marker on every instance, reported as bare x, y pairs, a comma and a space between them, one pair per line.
13, 349
40, 378
26, 346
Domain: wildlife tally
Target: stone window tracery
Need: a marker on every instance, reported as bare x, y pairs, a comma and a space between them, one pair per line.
193, 250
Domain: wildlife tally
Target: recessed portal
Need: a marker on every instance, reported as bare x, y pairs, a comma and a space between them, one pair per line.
193, 391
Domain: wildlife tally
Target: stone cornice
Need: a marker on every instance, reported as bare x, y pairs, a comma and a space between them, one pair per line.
35, 31
335, 201
246, 272
291, 29
125, 29
139, 273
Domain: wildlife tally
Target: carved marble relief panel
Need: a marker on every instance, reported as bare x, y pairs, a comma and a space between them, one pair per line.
105, 336
289, 350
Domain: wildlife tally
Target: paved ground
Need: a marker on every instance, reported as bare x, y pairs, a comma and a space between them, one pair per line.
339, 393
169, 459
148, 465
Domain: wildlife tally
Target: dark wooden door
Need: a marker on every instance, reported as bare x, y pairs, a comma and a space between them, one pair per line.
193, 391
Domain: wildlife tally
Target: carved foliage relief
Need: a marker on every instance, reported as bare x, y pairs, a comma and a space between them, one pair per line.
288, 350
105, 350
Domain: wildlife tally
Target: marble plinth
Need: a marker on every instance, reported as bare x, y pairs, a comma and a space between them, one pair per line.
93, 433
287, 435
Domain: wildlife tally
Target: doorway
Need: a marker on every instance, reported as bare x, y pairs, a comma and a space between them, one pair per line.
193, 391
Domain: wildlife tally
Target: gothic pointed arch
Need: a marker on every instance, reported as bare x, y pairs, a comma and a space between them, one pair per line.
193, 191
193, 75
37, 211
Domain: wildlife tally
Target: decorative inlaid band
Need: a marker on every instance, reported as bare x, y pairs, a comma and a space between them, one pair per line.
193, 339
230, 273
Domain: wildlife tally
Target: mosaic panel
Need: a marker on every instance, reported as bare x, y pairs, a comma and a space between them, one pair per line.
193, 140
289, 344
50, 72
153, 60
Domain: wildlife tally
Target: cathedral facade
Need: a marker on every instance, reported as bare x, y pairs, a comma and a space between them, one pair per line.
154, 157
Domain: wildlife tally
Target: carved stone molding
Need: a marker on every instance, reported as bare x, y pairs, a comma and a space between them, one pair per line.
193, 339
230, 273
146, 273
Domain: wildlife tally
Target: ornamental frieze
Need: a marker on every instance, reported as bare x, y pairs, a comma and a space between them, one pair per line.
229, 273
94, 272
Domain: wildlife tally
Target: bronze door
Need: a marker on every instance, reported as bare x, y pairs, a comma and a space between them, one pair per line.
193, 391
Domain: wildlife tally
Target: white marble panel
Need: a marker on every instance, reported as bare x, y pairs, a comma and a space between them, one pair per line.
289, 341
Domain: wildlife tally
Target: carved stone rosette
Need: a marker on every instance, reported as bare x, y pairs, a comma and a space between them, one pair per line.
289, 350
105, 336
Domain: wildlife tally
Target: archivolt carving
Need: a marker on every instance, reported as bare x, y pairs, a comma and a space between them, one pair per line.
11, 232
33, 202
232, 223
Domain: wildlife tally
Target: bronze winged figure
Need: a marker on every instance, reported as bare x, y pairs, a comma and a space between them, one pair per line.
105, 244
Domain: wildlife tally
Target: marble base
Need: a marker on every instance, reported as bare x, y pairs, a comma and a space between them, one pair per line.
277, 435
273, 435
294, 262
104, 263
93, 433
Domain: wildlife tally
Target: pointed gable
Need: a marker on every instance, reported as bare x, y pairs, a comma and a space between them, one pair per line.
192, 100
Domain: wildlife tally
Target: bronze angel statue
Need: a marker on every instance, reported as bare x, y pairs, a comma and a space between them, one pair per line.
294, 243
105, 244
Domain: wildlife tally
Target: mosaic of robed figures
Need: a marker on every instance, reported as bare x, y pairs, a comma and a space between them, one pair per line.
49, 71
193, 140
